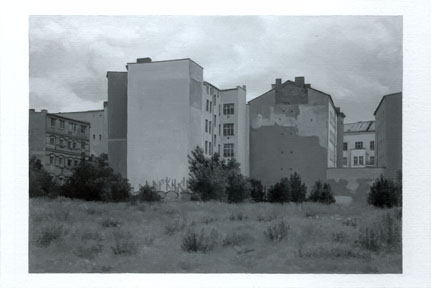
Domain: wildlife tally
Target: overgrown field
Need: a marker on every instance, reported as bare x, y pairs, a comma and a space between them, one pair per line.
192, 237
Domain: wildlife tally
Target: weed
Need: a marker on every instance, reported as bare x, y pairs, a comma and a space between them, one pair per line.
124, 244
202, 242
174, 227
233, 239
238, 217
50, 234
277, 232
110, 222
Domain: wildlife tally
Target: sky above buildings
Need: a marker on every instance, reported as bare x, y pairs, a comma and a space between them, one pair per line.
356, 59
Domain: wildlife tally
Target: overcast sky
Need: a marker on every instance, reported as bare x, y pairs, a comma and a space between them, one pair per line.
355, 59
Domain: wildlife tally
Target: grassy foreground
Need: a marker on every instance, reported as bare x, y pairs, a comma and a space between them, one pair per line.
77, 236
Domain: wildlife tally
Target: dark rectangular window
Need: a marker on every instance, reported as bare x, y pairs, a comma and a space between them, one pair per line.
215, 139
361, 160
209, 127
219, 129
82, 129
371, 145
52, 122
211, 107
51, 159
208, 105
69, 144
210, 148
228, 129
355, 161
61, 143
82, 145
344, 161
69, 162
215, 119
358, 145
52, 140
206, 125
228, 150
345, 146
61, 124
228, 109
371, 160
206, 147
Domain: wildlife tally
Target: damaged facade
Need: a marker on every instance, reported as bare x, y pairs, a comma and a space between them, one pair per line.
294, 128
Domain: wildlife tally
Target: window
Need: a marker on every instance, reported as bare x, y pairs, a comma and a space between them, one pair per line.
100, 137
355, 161
358, 145
61, 124
208, 90
211, 90
228, 129
219, 109
76, 162
51, 159
69, 144
52, 122
215, 139
82, 145
214, 100
361, 160
228, 150
74, 145
371, 145
208, 105
69, 162
82, 129
228, 109
344, 161
345, 146
209, 128
206, 125
219, 149
215, 119
61, 143
60, 161
211, 107
72, 127
94, 136
210, 148
52, 140
206, 147
219, 129
371, 160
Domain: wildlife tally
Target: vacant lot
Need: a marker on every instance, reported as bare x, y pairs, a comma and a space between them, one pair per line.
191, 237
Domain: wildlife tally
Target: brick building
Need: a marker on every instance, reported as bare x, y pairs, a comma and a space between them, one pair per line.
58, 142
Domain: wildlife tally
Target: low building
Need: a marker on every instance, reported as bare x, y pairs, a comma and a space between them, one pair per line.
294, 128
98, 120
359, 144
389, 126
159, 111
58, 142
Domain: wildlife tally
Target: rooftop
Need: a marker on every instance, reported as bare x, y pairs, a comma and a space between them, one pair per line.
361, 126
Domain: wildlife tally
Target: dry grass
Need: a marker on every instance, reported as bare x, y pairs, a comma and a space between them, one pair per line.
191, 237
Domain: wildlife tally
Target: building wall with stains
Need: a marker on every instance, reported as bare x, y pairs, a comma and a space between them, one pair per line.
117, 122
289, 133
164, 119
353, 183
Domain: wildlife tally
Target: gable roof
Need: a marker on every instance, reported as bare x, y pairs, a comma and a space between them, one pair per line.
360, 126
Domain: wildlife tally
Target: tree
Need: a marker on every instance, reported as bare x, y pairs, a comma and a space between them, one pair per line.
298, 190
257, 193
384, 193
321, 193
94, 180
279, 192
40, 182
238, 188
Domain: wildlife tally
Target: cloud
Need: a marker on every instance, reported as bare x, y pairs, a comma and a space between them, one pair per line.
356, 59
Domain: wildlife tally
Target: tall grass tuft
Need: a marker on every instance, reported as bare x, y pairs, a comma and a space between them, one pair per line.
277, 232
200, 242
49, 234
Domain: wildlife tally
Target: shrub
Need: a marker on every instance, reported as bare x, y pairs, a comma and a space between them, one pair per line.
383, 232
49, 234
148, 194
256, 190
194, 242
277, 232
40, 182
321, 193
288, 190
238, 188
94, 180
384, 193
233, 239
124, 244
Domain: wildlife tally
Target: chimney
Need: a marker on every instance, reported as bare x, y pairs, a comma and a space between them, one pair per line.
143, 60
32, 110
44, 111
244, 87
299, 81
105, 104
278, 82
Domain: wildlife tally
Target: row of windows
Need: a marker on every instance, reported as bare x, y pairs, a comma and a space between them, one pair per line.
100, 137
70, 144
358, 161
210, 91
72, 126
358, 145
228, 108
227, 149
228, 128
61, 161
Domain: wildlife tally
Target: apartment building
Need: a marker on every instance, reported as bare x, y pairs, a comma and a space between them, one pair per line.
58, 142
159, 111
359, 144
98, 120
388, 116
294, 128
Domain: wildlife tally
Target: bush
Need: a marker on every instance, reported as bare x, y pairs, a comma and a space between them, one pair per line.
124, 244
194, 242
94, 180
321, 193
148, 194
277, 232
214, 179
288, 190
40, 182
383, 232
384, 193
256, 190
49, 234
